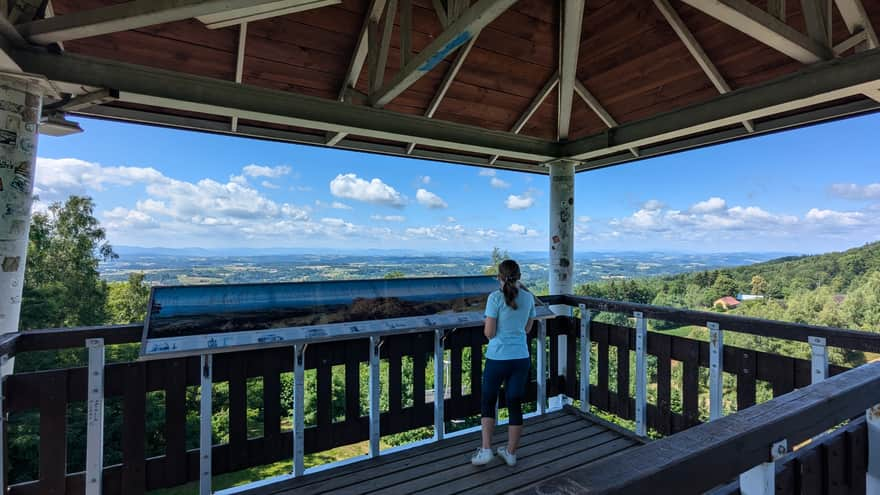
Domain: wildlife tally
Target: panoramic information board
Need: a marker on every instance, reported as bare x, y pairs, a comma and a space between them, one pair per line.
195, 319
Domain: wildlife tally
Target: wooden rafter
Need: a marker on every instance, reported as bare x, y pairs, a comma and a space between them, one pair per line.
530, 110
570, 37
598, 109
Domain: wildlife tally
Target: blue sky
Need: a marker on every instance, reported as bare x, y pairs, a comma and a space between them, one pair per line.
811, 190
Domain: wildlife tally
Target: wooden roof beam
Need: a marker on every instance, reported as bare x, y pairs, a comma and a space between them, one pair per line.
239, 62
818, 84
696, 50
125, 17
532, 108
446, 83
570, 41
856, 19
457, 34
760, 25
598, 109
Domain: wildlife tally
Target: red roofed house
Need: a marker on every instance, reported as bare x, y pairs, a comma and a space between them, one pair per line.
726, 302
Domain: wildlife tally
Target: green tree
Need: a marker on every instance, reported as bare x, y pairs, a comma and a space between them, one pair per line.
759, 285
498, 256
724, 285
127, 301
62, 284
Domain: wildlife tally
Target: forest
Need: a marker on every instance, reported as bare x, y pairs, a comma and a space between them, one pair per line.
63, 288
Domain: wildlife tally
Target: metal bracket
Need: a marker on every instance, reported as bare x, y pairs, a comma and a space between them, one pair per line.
819, 359
716, 371
586, 356
641, 373
95, 418
205, 428
778, 449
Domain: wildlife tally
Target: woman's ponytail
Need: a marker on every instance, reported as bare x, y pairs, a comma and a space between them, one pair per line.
509, 273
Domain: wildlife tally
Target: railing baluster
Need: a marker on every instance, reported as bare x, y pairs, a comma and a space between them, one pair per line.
205, 431
716, 371
299, 408
761, 479
872, 476
586, 348
95, 419
542, 365
375, 342
819, 358
439, 387
641, 373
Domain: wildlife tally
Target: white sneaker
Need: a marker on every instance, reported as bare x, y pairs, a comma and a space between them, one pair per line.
509, 458
482, 457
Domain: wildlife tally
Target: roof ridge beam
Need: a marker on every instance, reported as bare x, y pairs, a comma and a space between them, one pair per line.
458, 33
690, 42
818, 84
125, 16
760, 25
158, 87
570, 41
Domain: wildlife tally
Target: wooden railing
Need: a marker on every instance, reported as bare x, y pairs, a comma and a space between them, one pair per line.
51, 393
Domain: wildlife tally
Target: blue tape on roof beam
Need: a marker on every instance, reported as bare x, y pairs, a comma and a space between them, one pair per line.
456, 42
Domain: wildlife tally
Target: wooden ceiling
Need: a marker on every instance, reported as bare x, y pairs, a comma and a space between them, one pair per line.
630, 58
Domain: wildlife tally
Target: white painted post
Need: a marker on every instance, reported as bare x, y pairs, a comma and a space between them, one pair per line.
761, 479
299, 408
562, 244
872, 476
819, 354
716, 371
95, 418
641, 373
586, 348
375, 342
542, 367
206, 438
3, 372
439, 387
21, 98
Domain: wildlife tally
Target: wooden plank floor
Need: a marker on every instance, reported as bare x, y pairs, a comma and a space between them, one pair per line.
551, 444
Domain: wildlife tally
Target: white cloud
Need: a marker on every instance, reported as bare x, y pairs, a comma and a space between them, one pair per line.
264, 171
498, 183
520, 202
336, 205
517, 228
835, 218
350, 186
487, 172
269, 185
56, 179
451, 219
388, 218
123, 218
486, 233
301, 188
584, 219
712, 204
856, 191
429, 199
425, 179
653, 204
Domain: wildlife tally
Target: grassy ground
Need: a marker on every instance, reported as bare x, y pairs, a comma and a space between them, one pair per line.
257, 473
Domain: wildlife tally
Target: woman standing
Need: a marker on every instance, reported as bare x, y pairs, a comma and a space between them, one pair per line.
510, 313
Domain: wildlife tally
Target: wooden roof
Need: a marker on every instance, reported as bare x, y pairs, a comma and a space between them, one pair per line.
629, 58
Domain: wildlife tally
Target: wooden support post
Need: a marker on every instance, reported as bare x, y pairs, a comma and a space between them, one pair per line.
95, 419
205, 430
716, 371
641, 373
586, 351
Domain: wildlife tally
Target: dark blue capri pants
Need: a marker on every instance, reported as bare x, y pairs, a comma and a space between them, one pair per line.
514, 373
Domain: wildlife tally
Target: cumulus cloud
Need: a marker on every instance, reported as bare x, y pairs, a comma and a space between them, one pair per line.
522, 230
856, 191
429, 199
711, 205
487, 172
336, 205
388, 218
520, 202
123, 218
264, 171
653, 204
56, 179
836, 218
350, 186
425, 179
498, 183
451, 219
270, 185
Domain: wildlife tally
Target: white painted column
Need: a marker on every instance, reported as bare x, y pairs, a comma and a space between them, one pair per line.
561, 230
20, 103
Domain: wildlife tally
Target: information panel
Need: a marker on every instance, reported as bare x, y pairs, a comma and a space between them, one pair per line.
186, 320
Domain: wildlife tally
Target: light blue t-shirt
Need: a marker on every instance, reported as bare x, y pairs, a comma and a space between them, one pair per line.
510, 335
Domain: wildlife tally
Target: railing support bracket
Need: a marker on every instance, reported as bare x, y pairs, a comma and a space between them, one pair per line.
439, 386
299, 408
375, 345
586, 351
716, 371
641, 373
819, 357
761, 479
205, 429
95, 418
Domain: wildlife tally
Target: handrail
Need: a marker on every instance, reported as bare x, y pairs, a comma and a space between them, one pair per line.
712, 453
835, 337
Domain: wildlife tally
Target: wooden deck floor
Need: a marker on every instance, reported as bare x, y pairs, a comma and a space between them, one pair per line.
551, 444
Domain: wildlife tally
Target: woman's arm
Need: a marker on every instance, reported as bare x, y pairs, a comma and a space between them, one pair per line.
490, 327
530, 325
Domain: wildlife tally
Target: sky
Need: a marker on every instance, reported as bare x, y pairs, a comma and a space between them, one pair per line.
810, 190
